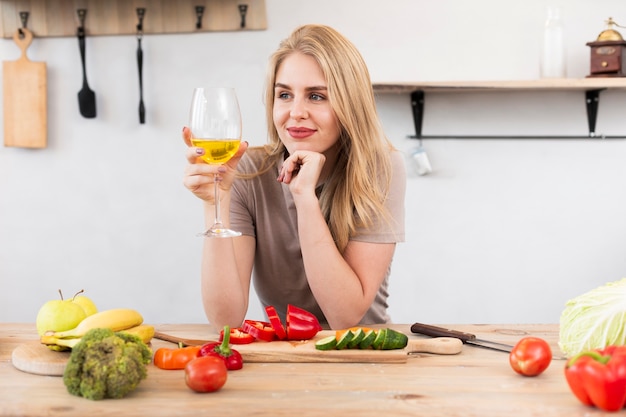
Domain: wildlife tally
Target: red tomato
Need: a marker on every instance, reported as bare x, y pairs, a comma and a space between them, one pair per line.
206, 374
530, 356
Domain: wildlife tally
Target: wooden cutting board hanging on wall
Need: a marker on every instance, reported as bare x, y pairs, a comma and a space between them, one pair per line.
25, 98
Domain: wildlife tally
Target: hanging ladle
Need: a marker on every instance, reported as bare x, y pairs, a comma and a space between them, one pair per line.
86, 96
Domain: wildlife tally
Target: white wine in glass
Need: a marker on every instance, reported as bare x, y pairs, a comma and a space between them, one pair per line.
215, 124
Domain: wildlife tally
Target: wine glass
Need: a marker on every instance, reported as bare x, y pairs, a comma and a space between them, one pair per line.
215, 124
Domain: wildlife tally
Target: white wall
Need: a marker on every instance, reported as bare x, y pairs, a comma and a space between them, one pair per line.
501, 231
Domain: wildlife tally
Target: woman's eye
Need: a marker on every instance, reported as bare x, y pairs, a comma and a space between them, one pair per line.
316, 97
283, 96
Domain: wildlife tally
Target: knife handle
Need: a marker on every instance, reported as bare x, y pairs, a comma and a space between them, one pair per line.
436, 331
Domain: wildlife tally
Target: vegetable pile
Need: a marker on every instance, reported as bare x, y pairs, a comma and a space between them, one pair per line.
165, 358
300, 325
595, 319
106, 364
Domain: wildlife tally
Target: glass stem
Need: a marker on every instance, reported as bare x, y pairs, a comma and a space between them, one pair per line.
218, 218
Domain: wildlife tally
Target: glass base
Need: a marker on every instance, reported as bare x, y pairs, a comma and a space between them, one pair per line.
220, 232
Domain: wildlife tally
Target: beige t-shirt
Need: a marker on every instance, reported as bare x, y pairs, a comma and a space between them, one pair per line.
264, 209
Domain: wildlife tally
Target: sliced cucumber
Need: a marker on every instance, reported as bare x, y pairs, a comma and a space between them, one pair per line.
359, 334
358, 338
345, 338
394, 340
380, 336
368, 338
326, 343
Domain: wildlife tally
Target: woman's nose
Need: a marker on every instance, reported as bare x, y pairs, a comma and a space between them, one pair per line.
298, 110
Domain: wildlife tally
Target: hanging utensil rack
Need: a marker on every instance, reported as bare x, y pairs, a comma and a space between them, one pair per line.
57, 18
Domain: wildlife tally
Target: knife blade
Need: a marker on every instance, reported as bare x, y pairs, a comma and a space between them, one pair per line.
466, 338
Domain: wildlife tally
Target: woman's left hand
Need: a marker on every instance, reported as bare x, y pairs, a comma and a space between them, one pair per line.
301, 170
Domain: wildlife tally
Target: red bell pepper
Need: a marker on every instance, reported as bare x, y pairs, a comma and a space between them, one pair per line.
276, 322
301, 324
231, 357
598, 377
238, 336
261, 330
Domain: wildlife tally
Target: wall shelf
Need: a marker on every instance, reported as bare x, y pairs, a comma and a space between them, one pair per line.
590, 86
59, 18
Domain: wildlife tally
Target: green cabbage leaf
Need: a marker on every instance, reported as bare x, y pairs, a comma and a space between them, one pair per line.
595, 319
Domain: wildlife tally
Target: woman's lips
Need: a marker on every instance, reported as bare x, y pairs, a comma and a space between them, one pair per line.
300, 132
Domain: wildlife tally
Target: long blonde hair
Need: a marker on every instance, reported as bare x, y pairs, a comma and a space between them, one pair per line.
355, 193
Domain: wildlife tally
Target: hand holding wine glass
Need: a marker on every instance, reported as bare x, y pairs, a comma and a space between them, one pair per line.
215, 124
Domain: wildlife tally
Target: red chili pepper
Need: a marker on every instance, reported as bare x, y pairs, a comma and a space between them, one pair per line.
231, 357
261, 330
301, 324
166, 358
276, 322
238, 336
598, 377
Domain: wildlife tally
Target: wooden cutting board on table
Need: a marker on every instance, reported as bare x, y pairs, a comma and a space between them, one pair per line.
305, 351
36, 358
25, 98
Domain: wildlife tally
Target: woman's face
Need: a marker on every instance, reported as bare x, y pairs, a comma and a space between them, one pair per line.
302, 113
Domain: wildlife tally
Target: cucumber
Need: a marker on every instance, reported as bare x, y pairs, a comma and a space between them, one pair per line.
358, 338
345, 338
326, 343
368, 338
380, 336
394, 340
359, 334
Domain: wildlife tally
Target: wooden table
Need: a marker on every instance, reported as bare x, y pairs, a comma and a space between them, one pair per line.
476, 382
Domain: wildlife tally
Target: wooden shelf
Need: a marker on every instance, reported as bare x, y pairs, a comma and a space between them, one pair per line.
477, 86
590, 86
59, 18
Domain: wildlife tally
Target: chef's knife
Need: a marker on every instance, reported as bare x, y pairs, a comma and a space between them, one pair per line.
466, 338
181, 340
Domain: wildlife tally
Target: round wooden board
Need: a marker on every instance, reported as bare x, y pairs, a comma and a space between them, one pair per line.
36, 358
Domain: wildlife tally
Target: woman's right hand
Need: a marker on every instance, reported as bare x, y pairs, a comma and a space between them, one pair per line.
199, 176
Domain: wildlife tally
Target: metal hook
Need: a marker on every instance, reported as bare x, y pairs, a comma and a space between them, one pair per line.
141, 12
199, 13
243, 9
81, 18
24, 19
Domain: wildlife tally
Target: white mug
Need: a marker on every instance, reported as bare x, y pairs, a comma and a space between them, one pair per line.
420, 161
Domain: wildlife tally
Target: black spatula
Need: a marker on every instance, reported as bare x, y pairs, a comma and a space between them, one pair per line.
86, 96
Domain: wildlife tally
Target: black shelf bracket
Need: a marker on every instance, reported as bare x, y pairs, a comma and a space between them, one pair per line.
417, 105
592, 102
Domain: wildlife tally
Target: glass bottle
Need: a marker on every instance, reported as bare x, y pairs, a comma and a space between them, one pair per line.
553, 50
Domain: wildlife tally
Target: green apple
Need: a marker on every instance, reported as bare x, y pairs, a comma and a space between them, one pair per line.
86, 303
59, 315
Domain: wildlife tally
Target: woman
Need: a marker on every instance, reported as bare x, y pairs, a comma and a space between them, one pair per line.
321, 206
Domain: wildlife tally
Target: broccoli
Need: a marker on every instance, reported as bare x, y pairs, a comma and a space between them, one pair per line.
106, 364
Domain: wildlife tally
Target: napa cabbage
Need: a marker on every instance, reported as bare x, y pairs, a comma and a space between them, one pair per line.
595, 319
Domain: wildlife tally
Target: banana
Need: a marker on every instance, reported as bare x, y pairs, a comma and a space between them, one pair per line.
55, 343
115, 319
144, 331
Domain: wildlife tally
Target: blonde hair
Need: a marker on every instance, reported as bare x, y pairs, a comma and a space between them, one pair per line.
355, 193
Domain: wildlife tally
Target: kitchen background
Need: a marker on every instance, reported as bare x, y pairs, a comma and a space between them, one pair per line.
502, 230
